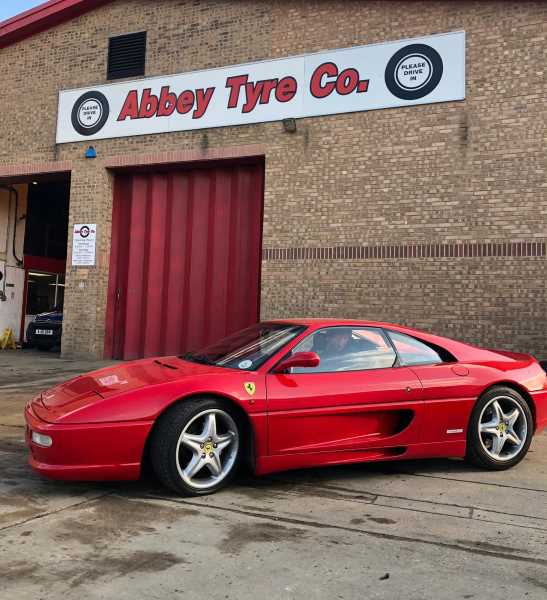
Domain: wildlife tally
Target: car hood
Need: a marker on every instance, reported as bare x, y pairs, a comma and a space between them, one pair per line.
63, 400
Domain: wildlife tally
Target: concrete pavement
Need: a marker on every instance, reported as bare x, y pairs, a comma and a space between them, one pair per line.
435, 529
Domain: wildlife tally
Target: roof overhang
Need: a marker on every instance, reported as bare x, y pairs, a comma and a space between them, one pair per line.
42, 17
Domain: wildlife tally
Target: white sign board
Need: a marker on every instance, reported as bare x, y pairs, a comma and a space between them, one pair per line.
407, 72
83, 245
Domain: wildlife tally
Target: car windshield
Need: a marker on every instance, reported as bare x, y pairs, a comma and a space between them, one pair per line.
246, 349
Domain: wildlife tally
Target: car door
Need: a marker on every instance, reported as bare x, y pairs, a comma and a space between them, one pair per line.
449, 390
355, 399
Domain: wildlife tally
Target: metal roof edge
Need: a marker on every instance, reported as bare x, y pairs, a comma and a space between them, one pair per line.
43, 17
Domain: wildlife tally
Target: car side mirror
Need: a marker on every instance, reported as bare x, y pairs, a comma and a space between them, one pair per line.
300, 359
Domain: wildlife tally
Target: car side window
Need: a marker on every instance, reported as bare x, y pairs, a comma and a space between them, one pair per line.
413, 352
347, 349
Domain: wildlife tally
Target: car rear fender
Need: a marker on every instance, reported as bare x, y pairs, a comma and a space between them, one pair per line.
520, 389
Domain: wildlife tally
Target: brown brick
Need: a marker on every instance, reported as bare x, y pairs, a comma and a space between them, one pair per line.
436, 214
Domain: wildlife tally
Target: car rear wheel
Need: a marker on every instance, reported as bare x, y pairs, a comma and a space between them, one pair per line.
500, 429
195, 447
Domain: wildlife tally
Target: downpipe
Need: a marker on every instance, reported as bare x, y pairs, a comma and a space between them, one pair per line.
12, 192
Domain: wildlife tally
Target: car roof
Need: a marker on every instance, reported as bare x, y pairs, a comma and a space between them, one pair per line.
460, 350
329, 321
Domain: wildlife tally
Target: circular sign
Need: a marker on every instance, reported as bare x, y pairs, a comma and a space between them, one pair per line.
245, 364
90, 113
414, 71
84, 231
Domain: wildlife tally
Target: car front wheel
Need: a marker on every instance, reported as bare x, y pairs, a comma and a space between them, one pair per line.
500, 429
195, 447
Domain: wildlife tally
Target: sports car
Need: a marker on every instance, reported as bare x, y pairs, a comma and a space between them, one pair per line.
290, 394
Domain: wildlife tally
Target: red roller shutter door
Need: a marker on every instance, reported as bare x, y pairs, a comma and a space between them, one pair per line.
185, 258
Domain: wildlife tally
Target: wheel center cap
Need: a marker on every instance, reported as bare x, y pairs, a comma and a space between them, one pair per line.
503, 427
208, 448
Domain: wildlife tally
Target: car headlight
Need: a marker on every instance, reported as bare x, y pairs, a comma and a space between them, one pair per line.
41, 440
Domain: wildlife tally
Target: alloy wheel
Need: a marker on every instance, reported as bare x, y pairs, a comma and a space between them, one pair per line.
503, 428
207, 449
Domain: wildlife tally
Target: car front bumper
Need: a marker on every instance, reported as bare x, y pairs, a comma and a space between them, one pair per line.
90, 452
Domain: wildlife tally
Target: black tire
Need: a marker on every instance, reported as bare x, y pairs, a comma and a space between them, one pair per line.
100, 102
435, 64
165, 437
475, 453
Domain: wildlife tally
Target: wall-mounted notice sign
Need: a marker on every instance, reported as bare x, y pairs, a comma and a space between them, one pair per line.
407, 72
83, 245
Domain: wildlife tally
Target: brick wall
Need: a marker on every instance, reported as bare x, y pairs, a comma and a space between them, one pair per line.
454, 173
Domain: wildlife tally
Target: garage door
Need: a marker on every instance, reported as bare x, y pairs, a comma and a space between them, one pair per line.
185, 258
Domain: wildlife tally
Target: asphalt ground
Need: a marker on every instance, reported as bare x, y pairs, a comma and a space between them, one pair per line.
419, 530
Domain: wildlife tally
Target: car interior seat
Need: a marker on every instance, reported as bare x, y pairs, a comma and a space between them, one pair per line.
319, 343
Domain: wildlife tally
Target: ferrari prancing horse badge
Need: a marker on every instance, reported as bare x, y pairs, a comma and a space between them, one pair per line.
250, 388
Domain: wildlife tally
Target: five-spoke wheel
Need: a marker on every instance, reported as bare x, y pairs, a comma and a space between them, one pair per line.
207, 448
195, 446
500, 429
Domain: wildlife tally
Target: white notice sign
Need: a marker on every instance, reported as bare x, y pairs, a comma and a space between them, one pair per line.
83, 245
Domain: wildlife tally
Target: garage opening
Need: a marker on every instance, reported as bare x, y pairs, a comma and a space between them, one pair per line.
185, 257
33, 250
45, 250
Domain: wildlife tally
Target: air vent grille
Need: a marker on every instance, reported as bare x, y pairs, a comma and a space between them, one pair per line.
126, 55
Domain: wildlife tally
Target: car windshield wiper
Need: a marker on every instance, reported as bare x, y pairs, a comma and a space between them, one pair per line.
199, 358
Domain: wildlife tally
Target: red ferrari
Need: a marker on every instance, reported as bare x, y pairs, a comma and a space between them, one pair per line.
290, 394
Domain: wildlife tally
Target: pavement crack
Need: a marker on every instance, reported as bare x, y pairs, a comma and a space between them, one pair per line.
377, 501
470, 549
377, 496
54, 512
490, 483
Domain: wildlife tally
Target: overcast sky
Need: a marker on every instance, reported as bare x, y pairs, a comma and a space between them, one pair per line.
10, 8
